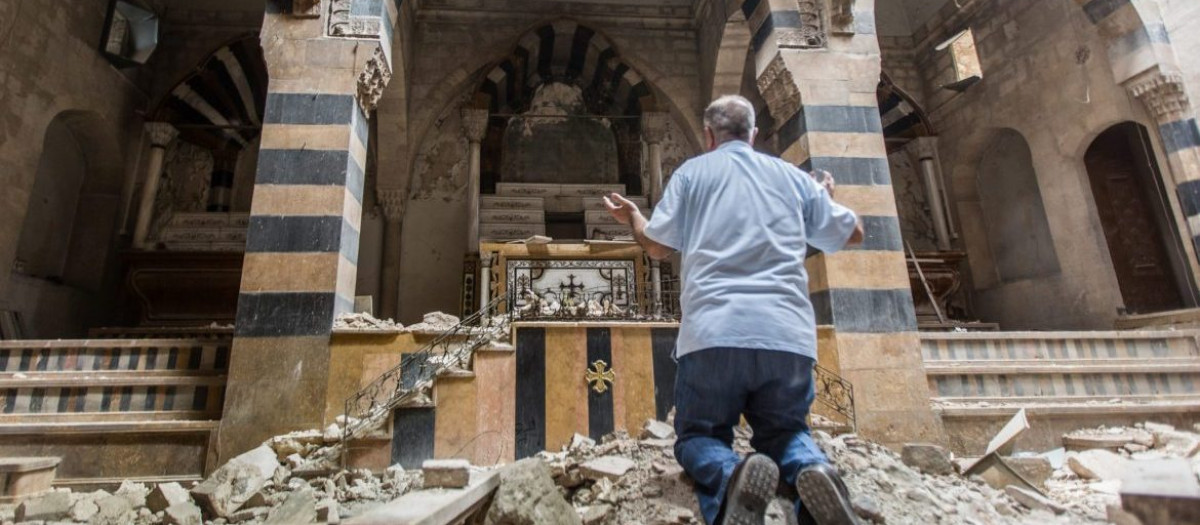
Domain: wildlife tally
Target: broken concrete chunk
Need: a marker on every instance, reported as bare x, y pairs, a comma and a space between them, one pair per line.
607, 467
166, 494
596, 514
52, 506
527, 496
580, 442
1177, 443
446, 473
655, 429
1117, 516
299, 507
328, 511
1097, 464
1035, 469
182, 513
1033, 500
1161, 492
227, 489
113, 509
135, 493
927, 458
84, 509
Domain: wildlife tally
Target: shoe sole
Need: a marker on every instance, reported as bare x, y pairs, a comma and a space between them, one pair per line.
824, 501
747, 496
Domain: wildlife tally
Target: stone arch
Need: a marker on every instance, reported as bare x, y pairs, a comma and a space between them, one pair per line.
731, 56
902, 116
450, 89
65, 253
227, 88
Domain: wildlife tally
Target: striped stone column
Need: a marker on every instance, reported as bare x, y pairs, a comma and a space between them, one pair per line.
1166, 99
302, 242
821, 91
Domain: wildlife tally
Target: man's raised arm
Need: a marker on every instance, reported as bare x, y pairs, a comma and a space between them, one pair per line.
627, 213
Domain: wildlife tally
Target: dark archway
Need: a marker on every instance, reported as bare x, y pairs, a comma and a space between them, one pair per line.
1134, 213
64, 279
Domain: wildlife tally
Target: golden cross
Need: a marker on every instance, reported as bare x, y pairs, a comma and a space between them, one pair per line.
600, 376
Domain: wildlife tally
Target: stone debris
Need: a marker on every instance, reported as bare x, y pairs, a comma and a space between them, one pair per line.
365, 322
654, 429
435, 322
928, 458
227, 489
49, 507
446, 473
182, 513
165, 495
295, 478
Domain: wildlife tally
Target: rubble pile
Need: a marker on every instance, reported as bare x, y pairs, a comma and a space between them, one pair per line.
1092, 467
290, 479
365, 321
294, 478
436, 322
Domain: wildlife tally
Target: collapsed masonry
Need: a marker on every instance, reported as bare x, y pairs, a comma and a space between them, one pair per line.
295, 479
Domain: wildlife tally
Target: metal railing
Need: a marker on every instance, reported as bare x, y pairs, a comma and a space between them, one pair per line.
835, 393
411, 378
597, 304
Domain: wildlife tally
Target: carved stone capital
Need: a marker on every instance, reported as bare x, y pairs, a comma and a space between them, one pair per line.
810, 33
344, 24
161, 133
779, 90
654, 127
923, 148
1164, 96
474, 123
392, 202
373, 79
841, 17
306, 8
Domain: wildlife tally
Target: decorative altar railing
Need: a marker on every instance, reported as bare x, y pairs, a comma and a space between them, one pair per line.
617, 301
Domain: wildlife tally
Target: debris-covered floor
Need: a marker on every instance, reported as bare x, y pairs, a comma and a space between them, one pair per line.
622, 480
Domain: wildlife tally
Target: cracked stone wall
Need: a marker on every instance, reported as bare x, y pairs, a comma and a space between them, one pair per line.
1046, 76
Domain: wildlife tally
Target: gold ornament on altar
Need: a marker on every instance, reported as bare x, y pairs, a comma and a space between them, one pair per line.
600, 376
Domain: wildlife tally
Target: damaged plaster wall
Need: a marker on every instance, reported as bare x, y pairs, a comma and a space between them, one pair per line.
435, 222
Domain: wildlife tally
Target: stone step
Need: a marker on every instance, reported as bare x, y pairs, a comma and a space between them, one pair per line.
525, 189
114, 355
1135, 406
603, 218
597, 203
208, 220
497, 202
512, 217
972, 346
1102, 384
608, 232
203, 235
1059, 366
505, 232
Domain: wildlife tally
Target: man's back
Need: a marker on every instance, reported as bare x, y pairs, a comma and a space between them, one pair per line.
742, 221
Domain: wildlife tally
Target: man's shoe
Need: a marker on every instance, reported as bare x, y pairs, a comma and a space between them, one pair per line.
825, 496
751, 488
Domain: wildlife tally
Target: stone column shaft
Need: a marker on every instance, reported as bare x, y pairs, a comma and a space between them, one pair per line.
220, 188
654, 129
926, 152
161, 134
393, 202
474, 127
485, 280
1165, 97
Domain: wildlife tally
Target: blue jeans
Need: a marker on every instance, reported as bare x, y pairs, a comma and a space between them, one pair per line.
714, 387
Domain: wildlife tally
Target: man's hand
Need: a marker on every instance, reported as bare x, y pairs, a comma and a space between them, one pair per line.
824, 178
622, 209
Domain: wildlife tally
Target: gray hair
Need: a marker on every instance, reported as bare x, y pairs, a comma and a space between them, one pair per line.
730, 117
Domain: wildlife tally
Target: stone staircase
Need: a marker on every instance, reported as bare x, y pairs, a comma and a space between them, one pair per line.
1064, 380
518, 210
113, 409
